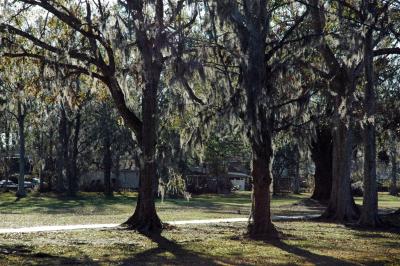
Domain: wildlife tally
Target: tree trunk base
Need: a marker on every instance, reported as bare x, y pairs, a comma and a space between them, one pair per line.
144, 225
20, 194
266, 232
350, 216
370, 222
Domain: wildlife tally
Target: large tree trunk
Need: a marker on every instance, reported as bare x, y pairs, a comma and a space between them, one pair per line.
393, 184
21, 192
261, 225
145, 218
321, 153
341, 207
369, 214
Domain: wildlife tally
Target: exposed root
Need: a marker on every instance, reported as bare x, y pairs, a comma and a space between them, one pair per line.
266, 232
152, 225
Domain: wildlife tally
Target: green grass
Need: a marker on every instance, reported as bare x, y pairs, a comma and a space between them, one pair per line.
49, 209
385, 201
302, 243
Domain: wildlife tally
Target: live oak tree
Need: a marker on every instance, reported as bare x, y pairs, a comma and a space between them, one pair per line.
349, 61
95, 41
342, 84
249, 59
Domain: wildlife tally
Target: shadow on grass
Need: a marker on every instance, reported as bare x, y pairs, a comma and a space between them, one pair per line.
234, 203
18, 254
53, 203
310, 257
169, 252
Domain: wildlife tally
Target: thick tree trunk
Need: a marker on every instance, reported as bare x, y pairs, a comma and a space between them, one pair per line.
107, 165
145, 218
393, 184
261, 225
341, 207
369, 215
321, 153
21, 192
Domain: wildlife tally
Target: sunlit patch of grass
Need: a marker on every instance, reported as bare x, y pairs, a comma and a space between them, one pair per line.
386, 201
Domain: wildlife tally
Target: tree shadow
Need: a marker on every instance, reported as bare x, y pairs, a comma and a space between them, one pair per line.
313, 258
60, 203
178, 255
39, 258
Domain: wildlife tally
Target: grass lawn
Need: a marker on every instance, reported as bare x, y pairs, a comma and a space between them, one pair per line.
303, 242
87, 208
49, 209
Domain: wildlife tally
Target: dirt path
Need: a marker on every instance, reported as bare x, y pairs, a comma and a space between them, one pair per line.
102, 226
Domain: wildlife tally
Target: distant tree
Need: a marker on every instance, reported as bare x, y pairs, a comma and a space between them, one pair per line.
19, 85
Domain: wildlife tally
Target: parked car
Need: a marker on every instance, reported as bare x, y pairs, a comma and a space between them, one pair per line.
29, 185
7, 184
36, 181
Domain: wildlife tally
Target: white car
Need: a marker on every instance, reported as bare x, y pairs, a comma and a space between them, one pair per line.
28, 184
7, 184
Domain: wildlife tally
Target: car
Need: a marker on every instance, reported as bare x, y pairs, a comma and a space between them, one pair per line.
28, 184
7, 184
36, 181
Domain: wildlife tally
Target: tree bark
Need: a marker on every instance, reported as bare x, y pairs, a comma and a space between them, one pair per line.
261, 225
321, 153
341, 206
145, 218
21, 192
369, 215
